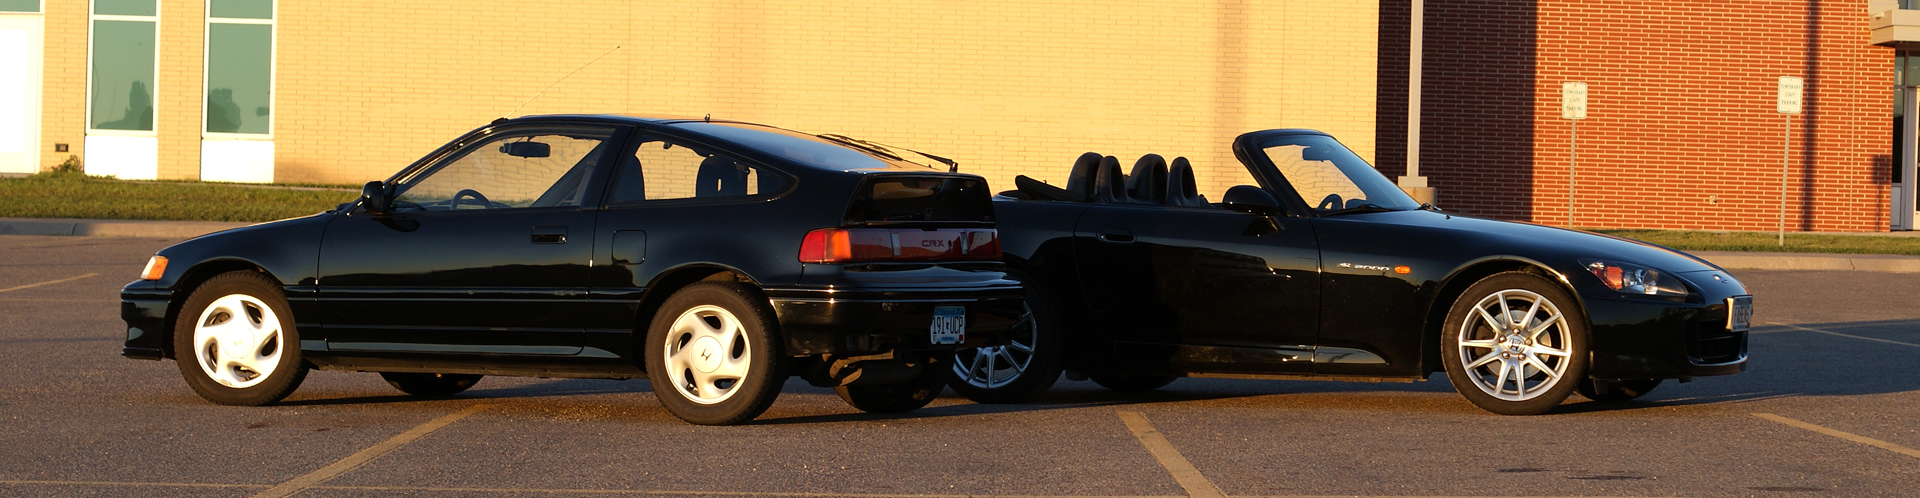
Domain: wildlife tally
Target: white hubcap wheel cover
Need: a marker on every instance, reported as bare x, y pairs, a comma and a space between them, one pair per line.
707, 354
1527, 353
238, 341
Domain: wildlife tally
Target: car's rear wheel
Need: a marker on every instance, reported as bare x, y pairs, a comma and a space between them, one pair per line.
712, 356
899, 398
235, 342
1514, 344
1020, 370
1132, 384
1615, 390
430, 385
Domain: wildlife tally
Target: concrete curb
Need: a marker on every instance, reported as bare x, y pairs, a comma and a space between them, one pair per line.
188, 229
113, 228
1811, 261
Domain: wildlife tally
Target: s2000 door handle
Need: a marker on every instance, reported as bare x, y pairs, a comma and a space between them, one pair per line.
549, 235
1116, 235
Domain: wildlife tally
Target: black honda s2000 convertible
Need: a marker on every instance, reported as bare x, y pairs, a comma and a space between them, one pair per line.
713, 258
1326, 269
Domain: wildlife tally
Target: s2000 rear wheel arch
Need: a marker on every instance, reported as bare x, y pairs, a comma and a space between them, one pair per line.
1435, 315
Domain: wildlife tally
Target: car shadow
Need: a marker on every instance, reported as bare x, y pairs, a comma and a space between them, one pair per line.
1818, 359
1047, 402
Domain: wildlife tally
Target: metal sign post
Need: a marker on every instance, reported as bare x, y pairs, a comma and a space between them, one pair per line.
1792, 89
1573, 107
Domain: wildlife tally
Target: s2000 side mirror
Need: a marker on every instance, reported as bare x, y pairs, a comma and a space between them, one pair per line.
374, 197
1250, 199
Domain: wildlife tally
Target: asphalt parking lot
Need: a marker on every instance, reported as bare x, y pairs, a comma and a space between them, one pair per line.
1830, 406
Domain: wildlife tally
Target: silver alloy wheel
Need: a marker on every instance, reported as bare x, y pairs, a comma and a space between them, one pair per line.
1511, 353
238, 341
707, 354
994, 366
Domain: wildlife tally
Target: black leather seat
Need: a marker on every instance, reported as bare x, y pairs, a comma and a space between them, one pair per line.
1181, 188
1148, 181
719, 176
1079, 182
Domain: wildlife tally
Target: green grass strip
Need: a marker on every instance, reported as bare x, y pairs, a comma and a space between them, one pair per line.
1692, 240
74, 195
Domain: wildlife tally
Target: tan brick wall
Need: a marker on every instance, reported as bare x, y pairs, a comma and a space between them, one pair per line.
63, 85
1003, 87
179, 100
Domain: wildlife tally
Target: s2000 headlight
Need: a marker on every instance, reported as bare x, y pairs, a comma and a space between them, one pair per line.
1634, 279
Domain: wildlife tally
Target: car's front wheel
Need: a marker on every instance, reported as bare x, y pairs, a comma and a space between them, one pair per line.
430, 385
235, 342
1515, 344
712, 356
1027, 365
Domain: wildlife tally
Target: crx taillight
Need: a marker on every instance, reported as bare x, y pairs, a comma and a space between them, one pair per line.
885, 245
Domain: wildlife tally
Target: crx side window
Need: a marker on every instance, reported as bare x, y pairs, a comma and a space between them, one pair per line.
663, 169
513, 169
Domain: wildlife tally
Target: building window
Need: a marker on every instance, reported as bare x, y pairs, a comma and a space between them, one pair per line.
239, 93
124, 50
27, 6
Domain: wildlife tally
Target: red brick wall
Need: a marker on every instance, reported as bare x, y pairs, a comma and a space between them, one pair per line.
1681, 129
1477, 106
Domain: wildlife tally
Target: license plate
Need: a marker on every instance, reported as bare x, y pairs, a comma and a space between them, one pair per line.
949, 325
1739, 313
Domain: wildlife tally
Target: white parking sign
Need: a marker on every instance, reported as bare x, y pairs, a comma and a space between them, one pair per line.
1573, 100
1792, 89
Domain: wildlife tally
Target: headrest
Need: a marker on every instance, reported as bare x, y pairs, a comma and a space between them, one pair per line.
1148, 180
1181, 188
1080, 180
1111, 187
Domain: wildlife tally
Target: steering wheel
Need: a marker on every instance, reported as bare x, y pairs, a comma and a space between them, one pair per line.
454, 203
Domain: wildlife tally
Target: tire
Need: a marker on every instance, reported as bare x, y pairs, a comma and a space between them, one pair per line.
1617, 390
1515, 320
235, 341
743, 365
1132, 384
902, 398
430, 385
1019, 371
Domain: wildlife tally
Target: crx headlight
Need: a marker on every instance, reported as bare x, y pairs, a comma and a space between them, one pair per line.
1634, 279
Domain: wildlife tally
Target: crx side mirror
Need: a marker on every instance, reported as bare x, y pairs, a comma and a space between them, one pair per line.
1250, 199
375, 198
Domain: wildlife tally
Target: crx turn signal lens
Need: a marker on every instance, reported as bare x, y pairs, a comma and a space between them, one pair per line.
155, 268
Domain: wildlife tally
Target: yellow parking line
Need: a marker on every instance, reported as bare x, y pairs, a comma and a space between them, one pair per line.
29, 286
1811, 329
355, 460
1183, 472
1843, 435
122, 483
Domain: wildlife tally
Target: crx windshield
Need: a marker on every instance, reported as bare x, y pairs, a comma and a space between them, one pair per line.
1331, 179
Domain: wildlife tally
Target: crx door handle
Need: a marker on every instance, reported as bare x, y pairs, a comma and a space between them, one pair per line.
1118, 235
549, 235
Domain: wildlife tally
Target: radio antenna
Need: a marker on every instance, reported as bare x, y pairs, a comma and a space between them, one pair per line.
543, 91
